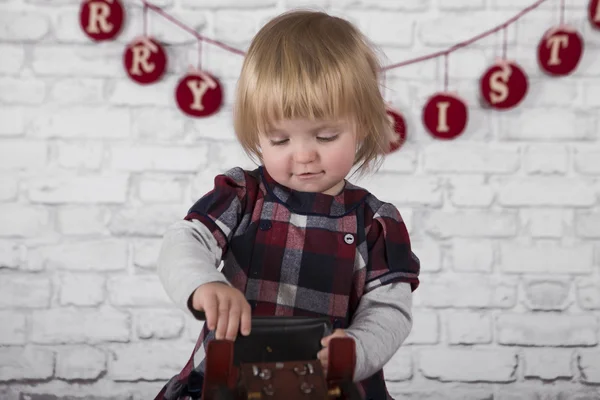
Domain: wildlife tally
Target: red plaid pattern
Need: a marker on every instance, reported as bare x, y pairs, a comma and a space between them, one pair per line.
299, 253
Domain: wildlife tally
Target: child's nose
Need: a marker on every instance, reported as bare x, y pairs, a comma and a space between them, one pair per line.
305, 154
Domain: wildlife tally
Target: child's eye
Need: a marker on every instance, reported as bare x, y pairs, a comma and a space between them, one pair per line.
278, 142
327, 138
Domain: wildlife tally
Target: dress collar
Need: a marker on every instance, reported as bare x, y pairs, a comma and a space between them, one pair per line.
311, 203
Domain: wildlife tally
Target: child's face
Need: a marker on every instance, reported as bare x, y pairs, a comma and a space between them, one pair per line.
309, 156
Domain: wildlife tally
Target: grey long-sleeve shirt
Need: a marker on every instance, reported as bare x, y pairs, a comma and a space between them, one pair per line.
190, 257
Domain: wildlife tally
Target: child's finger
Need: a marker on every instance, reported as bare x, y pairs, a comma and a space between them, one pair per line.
246, 319
337, 333
210, 310
233, 324
223, 318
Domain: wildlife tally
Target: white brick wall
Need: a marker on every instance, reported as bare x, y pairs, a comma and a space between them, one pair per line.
93, 168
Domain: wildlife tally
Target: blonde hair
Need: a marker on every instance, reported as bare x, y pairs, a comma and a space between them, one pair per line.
308, 64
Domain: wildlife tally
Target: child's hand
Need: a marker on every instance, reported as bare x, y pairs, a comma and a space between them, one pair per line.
323, 354
224, 307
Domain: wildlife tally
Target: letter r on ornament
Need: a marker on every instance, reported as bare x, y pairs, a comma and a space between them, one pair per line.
98, 18
141, 54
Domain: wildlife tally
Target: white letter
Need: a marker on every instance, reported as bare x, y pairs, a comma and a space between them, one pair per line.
141, 54
498, 84
443, 116
556, 42
98, 18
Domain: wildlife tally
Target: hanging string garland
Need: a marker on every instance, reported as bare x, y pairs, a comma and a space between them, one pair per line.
445, 115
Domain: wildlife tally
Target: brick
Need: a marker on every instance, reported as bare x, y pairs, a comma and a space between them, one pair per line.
149, 221
208, 4
23, 155
546, 257
80, 155
93, 255
82, 220
159, 324
81, 290
469, 365
546, 330
389, 27
589, 367
518, 5
9, 187
400, 366
588, 294
13, 328
429, 254
546, 159
109, 188
161, 189
545, 222
418, 71
472, 255
247, 23
425, 329
12, 254
486, 224
22, 91
546, 124
26, 363
13, 120
548, 364
590, 93
147, 361
76, 91
80, 123
80, 362
462, 5
546, 191
125, 92
447, 392
447, 31
560, 93
25, 291
23, 220
77, 61
229, 66
137, 291
13, 57
470, 191
404, 160
468, 291
406, 5
23, 26
157, 124
158, 158
85, 326
470, 157
466, 327
225, 154
145, 253
424, 190
547, 295
587, 160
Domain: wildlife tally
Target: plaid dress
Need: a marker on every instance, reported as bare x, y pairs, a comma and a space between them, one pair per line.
299, 254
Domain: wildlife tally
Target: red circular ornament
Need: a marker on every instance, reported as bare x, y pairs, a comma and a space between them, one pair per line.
504, 85
594, 13
199, 94
560, 50
397, 120
445, 115
101, 19
145, 60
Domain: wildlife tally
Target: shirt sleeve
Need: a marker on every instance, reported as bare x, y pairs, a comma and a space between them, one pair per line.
391, 258
222, 209
380, 325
